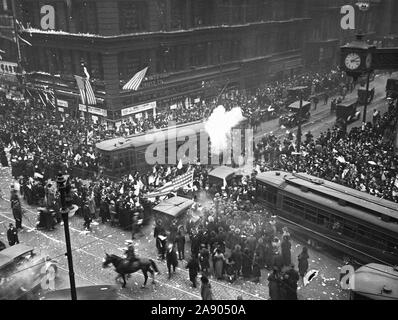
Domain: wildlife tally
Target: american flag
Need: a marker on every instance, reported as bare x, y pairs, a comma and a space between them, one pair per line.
174, 185
85, 89
135, 81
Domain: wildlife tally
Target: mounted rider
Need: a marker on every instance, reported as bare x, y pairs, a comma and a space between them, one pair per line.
130, 254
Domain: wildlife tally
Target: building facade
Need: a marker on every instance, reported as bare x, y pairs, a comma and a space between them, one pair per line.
194, 49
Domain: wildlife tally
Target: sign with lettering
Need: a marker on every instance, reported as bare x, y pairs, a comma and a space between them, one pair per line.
139, 108
62, 103
347, 21
47, 21
93, 110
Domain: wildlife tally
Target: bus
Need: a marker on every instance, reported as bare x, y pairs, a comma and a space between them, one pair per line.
122, 155
339, 218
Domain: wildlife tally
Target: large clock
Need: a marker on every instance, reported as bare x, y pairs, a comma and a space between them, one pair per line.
352, 61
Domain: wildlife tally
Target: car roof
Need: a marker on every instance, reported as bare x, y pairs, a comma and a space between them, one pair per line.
9, 254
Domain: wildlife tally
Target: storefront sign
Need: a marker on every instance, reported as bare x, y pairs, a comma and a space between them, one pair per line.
139, 108
93, 110
62, 103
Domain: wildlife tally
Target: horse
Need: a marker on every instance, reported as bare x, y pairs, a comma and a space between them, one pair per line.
125, 267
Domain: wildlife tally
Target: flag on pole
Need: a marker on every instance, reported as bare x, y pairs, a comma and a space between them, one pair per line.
85, 89
24, 41
136, 80
174, 185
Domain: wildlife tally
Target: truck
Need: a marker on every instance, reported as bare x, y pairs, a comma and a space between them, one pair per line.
291, 119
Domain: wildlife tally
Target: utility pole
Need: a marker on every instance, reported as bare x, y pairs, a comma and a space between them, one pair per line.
366, 98
62, 184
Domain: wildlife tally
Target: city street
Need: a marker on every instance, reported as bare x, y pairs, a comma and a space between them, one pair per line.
89, 248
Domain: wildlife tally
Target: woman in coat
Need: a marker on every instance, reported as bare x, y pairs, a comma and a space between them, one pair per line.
246, 264
303, 262
218, 264
285, 249
205, 290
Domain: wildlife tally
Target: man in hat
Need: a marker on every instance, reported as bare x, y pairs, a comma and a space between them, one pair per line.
171, 259
12, 235
130, 254
204, 259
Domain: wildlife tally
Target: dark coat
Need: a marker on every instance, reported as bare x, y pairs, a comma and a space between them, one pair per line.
171, 257
273, 286
303, 263
193, 267
246, 265
205, 292
180, 240
12, 236
16, 207
285, 248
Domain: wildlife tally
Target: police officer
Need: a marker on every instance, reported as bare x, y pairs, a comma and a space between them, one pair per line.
12, 235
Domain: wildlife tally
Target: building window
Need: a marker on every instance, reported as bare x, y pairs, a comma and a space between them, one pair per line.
133, 16
178, 10
131, 62
84, 17
198, 54
201, 12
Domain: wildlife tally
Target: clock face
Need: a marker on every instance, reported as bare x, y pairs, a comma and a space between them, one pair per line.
352, 61
368, 60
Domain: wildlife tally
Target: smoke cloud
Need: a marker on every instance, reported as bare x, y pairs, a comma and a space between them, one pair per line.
219, 126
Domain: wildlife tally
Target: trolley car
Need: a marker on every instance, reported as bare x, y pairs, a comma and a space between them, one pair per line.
121, 155
343, 219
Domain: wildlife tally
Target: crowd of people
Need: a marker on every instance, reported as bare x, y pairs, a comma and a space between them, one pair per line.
231, 236
362, 159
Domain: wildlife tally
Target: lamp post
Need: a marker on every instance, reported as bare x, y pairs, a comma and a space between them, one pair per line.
62, 185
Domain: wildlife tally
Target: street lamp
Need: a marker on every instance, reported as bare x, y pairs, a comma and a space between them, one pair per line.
63, 188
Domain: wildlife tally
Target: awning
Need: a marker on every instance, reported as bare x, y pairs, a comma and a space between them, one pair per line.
174, 206
222, 172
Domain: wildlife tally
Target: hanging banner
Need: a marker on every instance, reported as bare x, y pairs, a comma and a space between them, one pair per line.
139, 108
93, 110
62, 103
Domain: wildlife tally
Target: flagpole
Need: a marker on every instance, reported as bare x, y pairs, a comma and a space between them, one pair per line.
85, 102
17, 42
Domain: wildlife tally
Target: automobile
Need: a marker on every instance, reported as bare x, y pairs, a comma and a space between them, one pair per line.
374, 282
22, 271
291, 118
346, 113
392, 88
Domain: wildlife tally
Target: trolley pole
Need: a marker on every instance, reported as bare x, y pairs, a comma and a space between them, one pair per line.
61, 183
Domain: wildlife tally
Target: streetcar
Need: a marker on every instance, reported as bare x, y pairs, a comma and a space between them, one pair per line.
325, 214
392, 88
123, 154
